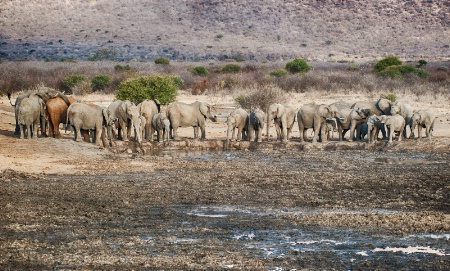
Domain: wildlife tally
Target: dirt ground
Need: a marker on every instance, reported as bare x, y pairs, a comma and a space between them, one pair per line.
191, 205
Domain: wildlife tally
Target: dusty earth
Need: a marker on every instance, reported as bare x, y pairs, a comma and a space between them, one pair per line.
191, 205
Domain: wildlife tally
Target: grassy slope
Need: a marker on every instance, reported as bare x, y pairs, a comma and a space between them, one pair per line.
255, 29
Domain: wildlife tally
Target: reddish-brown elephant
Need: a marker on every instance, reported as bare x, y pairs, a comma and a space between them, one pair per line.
57, 113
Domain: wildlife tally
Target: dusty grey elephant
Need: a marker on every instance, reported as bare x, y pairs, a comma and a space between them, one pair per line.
237, 120
29, 114
127, 115
374, 125
379, 107
394, 124
315, 117
43, 93
147, 109
83, 116
351, 120
255, 124
189, 115
161, 124
423, 119
283, 118
404, 110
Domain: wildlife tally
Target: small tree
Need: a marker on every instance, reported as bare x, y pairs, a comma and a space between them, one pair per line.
386, 62
199, 71
100, 82
298, 66
231, 68
70, 82
162, 60
163, 88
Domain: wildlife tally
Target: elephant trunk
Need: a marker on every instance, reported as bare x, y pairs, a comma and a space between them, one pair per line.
9, 98
267, 128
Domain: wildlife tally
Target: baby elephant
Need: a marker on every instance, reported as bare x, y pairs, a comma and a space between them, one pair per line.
423, 119
237, 120
256, 125
160, 124
394, 124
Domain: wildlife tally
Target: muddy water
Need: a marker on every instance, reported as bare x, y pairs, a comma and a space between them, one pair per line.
258, 209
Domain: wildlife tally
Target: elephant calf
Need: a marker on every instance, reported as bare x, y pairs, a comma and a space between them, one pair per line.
255, 125
394, 124
160, 124
423, 119
237, 120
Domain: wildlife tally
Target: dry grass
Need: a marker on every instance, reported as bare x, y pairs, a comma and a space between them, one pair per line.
358, 31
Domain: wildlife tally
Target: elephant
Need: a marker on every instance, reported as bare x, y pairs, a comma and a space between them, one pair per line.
423, 119
315, 116
380, 107
161, 124
351, 119
394, 124
87, 117
45, 94
237, 120
404, 110
147, 109
374, 125
284, 118
189, 115
142, 124
29, 114
57, 113
255, 124
127, 115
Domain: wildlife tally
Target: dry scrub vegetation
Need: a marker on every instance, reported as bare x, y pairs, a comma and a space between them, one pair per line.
253, 85
204, 30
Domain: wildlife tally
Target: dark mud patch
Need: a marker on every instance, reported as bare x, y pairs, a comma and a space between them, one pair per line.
253, 209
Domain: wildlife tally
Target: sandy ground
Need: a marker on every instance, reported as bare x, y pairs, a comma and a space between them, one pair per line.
190, 205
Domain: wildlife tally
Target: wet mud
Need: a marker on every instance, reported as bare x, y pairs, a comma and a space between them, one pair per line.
268, 206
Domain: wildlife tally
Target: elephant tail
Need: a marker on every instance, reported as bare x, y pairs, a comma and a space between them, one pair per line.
9, 98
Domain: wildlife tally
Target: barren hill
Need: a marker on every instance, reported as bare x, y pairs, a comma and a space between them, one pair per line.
261, 30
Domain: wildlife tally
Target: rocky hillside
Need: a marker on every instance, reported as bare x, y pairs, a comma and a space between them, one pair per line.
261, 30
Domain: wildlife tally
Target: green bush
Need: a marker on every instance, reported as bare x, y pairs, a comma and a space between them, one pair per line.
162, 60
100, 82
163, 88
199, 71
279, 73
70, 82
390, 96
386, 62
353, 68
231, 68
398, 71
298, 66
120, 68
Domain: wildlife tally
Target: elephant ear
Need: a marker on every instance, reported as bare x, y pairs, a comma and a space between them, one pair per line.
205, 109
384, 105
281, 110
324, 111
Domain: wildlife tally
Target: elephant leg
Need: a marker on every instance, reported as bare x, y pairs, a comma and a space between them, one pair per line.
419, 131
202, 129
78, 134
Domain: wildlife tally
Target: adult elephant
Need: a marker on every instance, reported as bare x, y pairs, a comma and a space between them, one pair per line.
422, 119
380, 107
147, 109
255, 125
315, 117
127, 115
43, 93
29, 113
189, 115
405, 110
350, 119
87, 117
237, 120
284, 118
57, 113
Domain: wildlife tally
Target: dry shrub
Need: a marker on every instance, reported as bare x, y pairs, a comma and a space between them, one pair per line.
260, 96
200, 86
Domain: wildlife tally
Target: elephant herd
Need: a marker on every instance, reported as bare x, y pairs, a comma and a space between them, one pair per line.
361, 119
47, 108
